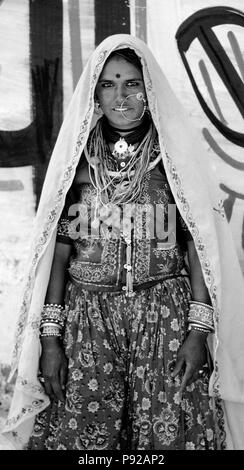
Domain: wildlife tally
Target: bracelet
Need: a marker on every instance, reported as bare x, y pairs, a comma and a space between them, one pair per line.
201, 314
50, 323
199, 325
196, 328
46, 335
50, 331
54, 305
52, 313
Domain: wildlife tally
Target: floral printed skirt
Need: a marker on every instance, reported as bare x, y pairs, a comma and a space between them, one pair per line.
120, 393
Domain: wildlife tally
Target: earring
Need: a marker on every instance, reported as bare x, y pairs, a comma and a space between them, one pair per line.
97, 108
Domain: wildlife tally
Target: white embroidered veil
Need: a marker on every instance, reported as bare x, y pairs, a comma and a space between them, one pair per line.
197, 198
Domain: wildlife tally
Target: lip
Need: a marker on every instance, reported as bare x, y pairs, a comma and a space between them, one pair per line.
121, 109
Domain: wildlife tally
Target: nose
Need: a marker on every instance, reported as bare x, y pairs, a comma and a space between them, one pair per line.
120, 94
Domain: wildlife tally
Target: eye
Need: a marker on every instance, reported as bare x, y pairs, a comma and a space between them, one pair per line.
106, 84
133, 84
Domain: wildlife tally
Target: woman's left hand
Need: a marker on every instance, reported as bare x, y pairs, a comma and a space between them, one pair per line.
192, 356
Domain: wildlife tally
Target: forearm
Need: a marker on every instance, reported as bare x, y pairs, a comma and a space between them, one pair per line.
56, 289
193, 352
200, 314
198, 286
58, 276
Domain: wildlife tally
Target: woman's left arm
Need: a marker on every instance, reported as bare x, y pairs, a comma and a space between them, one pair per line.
193, 354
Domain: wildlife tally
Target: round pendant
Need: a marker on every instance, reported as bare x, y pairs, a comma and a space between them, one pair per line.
121, 146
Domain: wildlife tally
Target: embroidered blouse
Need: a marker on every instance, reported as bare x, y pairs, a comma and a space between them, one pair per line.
157, 239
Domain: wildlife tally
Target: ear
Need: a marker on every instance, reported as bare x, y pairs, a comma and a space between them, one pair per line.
95, 97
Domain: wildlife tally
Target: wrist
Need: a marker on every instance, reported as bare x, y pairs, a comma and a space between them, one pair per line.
200, 336
52, 320
48, 342
201, 317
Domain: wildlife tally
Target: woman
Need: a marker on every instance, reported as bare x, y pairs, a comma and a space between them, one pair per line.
125, 363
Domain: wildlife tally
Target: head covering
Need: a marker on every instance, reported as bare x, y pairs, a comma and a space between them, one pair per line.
129, 55
199, 201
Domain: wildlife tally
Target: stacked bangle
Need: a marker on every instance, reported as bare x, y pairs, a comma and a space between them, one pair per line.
201, 317
52, 320
196, 328
50, 331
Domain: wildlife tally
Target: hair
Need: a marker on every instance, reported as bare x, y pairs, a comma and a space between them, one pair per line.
129, 55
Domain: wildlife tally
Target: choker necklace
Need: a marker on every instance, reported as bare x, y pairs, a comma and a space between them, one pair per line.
135, 134
124, 130
123, 146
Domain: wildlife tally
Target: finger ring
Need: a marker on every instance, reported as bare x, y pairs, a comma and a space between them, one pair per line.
41, 379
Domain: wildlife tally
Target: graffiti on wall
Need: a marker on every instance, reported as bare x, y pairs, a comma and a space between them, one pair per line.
33, 145
227, 70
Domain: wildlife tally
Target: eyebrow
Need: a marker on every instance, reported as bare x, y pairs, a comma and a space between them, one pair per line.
127, 80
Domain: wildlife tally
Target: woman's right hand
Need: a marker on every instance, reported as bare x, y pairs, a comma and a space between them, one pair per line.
53, 366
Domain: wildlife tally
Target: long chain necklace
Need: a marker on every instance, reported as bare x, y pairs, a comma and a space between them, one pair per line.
121, 185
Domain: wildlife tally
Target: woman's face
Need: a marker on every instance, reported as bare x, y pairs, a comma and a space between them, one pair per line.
118, 80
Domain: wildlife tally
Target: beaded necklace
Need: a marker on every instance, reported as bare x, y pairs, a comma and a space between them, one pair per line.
119, 185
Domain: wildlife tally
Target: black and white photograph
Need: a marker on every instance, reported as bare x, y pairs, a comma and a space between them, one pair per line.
122, 229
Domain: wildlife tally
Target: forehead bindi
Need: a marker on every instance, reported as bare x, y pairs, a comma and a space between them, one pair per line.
119, 68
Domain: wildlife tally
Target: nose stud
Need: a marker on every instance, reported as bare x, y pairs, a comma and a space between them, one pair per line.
139, 96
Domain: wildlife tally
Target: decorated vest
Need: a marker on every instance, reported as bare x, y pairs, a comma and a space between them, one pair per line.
129, 247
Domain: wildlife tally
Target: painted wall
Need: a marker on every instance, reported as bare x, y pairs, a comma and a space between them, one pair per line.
166, 17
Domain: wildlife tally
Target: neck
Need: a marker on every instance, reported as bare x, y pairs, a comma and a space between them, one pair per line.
132, 135
118, 129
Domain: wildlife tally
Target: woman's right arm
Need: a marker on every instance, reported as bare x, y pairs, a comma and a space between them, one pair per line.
53, 363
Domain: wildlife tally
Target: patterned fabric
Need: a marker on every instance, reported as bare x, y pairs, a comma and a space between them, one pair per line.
63, 231
196, 195
120, 394
99, 261
63, 227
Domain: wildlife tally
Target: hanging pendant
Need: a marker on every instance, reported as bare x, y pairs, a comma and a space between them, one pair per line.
121, 146
122, 149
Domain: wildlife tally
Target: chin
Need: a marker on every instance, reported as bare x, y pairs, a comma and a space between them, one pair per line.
120, 121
